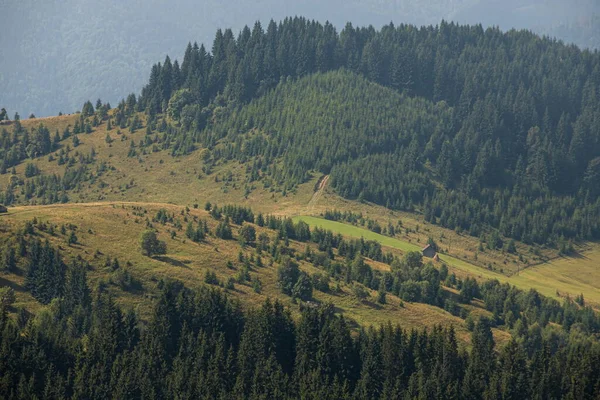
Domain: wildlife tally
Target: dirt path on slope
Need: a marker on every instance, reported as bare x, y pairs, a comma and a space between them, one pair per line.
13, 210
317, 195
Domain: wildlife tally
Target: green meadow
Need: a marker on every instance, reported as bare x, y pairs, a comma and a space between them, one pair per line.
561, 277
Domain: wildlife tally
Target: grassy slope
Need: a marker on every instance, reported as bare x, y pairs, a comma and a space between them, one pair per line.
158, 178
569, 275
113, 230
393, 243
559, 277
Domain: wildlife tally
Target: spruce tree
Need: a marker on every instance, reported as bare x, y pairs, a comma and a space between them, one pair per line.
9, 259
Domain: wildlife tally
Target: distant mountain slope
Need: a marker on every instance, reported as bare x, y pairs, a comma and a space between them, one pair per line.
521, 152
477, 129
57, 54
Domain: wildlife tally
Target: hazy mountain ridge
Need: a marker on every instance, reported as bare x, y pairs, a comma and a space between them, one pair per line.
55, 55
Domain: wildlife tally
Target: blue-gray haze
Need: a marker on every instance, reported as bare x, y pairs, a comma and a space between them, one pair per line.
54, 54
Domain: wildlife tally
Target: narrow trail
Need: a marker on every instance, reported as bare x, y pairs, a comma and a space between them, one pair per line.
317, 195
28, 120
29, 208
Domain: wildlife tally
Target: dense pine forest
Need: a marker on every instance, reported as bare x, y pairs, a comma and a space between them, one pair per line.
474, 128
200, 344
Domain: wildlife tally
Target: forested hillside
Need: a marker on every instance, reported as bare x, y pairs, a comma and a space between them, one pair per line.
199, 344
509, 138
273, 323
172, 246
57, 54
336, 123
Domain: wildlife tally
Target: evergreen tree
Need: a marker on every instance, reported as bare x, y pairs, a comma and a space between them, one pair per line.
481, 363
88, 109
303, 287
9, 260
223, 230
287, 276
512, 372
248, 234
151, 245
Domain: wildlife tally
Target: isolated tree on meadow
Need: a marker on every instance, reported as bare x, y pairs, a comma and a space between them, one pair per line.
72, 239
151, 245
287, 276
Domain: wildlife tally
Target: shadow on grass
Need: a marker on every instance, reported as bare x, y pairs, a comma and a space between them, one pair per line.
15, 286
576, 255
172, 261
136, 287
369, 303
338, 310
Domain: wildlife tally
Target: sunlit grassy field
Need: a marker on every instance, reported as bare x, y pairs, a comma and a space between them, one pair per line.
567, 275
357, 232
557, 278
112, 229
157, 176
103, 212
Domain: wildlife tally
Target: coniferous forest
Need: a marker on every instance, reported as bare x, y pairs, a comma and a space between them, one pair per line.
472, 127
200, 344
59, 53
